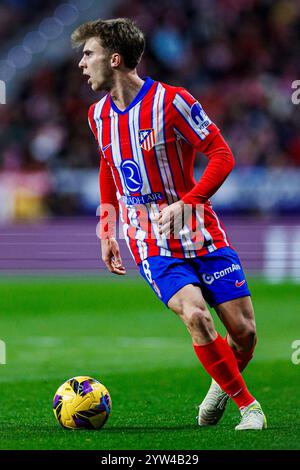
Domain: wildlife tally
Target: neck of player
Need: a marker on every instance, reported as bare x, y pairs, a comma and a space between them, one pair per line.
125, 89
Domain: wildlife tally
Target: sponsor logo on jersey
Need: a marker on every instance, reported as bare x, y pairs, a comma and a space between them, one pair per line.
147, 139
132, 175
210, 278
142, 199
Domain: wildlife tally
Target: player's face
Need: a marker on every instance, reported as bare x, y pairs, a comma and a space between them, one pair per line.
95, 64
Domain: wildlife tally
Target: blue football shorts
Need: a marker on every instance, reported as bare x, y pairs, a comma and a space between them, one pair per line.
219, 275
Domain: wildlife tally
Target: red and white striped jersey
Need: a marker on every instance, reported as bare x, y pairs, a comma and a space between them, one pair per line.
147, 159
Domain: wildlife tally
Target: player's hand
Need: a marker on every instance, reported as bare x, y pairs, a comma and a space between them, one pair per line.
111, 256
170, 219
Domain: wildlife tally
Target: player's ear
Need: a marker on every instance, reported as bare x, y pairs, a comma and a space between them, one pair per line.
115, 60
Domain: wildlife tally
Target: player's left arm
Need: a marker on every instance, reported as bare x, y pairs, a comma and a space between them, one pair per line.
191, 123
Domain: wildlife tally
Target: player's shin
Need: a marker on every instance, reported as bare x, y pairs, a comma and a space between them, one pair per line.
219, 361
243, 357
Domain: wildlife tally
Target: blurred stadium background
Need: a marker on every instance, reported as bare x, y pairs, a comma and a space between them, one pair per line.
239, 58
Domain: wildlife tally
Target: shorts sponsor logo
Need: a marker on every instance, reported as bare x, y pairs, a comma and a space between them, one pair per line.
240, 284
210, 278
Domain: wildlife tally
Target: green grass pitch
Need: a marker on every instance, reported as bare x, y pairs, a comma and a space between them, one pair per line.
118, 332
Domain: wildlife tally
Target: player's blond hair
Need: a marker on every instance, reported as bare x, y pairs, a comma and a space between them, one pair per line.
119, 35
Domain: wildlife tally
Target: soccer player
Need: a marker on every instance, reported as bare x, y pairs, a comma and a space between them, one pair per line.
148, 133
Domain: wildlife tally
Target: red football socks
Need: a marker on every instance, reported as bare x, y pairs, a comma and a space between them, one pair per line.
219, 361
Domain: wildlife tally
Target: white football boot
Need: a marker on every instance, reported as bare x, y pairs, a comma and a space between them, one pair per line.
253, 417
213, 406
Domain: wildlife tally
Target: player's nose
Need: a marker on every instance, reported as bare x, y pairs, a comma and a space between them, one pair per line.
82, 63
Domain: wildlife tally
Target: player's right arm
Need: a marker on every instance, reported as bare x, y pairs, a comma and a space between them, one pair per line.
111, 256
109, 210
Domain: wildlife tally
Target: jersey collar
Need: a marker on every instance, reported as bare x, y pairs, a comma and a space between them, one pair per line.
143, 91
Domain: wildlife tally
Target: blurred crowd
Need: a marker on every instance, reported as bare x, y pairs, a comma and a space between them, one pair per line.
15, 14
239, 58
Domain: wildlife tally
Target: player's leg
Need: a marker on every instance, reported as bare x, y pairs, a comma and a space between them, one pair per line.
190, 306
225, 288
237, 316
174, 282
213, 351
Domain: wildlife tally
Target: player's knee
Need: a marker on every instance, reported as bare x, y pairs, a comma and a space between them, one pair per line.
198, 320
245, 335
251, 335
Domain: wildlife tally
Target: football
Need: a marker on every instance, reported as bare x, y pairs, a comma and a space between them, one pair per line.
82, 402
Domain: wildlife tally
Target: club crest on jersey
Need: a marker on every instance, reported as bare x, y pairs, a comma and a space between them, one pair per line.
147, 139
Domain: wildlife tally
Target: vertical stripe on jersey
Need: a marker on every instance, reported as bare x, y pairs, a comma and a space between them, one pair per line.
133, 124
138, 156
116, 155
180, 159
160, 149
185, 240
205, 233
208, 240
91, 120
141, 234
160, 152
220, 228
97, 114
131, 212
